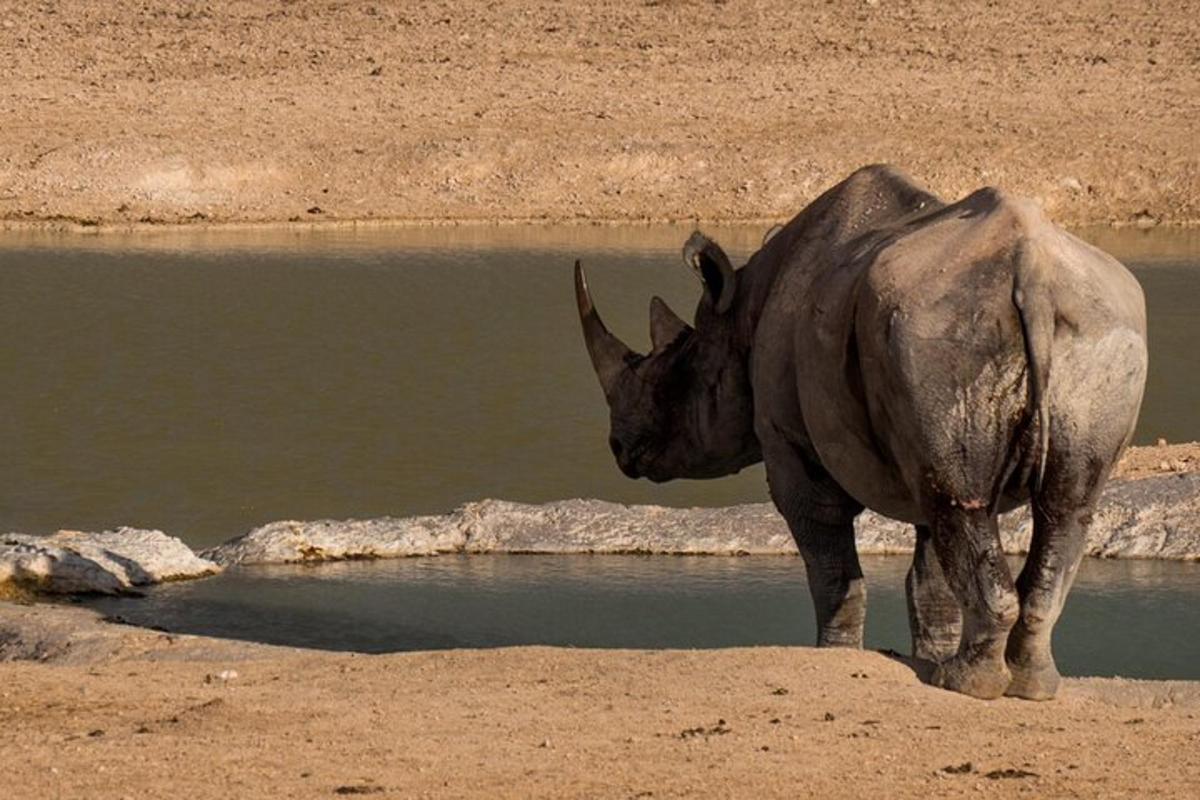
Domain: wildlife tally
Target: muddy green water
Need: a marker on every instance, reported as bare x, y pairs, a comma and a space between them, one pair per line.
204, 383
1132, 618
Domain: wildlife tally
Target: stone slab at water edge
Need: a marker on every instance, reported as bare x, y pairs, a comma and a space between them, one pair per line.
109, 562
1155, 517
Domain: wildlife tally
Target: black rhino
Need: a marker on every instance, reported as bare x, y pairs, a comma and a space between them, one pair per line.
937, 363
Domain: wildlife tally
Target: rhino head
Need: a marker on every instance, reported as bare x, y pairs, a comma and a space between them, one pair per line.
684, 410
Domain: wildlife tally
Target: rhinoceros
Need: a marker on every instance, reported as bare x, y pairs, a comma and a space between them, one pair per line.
937, 363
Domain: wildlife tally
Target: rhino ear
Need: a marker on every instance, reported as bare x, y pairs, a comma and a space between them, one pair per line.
770, 234
665, 325
712, 265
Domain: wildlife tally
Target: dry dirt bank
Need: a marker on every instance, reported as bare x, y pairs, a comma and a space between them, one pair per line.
115, 112
131, 713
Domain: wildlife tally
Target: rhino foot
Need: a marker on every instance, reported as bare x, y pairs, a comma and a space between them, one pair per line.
841, 637
983, 679
936, 646
1033, 682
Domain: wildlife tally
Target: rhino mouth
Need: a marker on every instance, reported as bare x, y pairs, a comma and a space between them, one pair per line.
648, 469
629, 468
639, 462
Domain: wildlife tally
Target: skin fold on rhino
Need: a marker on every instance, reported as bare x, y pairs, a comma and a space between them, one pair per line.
937, 363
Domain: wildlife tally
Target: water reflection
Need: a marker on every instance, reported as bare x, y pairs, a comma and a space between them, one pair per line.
1133, 618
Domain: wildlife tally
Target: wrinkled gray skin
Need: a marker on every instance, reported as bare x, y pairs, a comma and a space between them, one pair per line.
936, 363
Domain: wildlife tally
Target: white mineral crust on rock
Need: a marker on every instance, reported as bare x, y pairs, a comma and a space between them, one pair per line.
1150, 518
596, 526
290, 542
110, 562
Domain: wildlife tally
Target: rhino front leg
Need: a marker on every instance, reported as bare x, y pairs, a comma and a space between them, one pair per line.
934, 616
967, 542
835, 580
821, 518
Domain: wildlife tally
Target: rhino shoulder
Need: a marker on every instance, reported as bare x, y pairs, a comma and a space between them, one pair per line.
874, 197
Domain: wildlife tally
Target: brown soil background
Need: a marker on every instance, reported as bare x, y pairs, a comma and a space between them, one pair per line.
120, 112
1159, 459
131, 713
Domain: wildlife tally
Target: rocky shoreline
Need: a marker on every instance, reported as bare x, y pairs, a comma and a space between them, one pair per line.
1149, 518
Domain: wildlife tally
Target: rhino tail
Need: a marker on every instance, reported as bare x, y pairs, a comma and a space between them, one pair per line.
1035, 308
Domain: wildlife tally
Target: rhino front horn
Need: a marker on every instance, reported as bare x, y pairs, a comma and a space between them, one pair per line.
609, 354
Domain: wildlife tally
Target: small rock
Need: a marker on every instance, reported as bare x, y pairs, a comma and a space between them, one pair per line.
110, 562
358, 789
1144, 219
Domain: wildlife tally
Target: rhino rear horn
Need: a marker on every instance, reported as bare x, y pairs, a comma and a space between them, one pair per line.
665, 324
609, 354
712, 265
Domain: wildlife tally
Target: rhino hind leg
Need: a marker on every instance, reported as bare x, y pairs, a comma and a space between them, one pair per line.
934, 616
1061, 515
1043, 585
967, 543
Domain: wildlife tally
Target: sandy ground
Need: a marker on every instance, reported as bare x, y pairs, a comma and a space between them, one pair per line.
249, 110
132, 713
